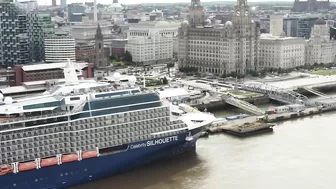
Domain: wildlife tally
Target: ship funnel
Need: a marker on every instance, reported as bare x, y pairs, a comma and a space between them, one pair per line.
70, 74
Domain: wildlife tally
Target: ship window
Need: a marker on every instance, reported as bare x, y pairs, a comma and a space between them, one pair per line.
42, 105
74, 98
126, 100
111, 94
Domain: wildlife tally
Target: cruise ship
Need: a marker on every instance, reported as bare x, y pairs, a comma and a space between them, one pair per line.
84, 130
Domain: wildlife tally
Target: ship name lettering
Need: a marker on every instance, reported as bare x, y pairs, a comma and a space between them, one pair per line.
162, 141
135, 146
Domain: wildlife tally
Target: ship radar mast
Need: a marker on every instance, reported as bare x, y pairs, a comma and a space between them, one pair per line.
70, 74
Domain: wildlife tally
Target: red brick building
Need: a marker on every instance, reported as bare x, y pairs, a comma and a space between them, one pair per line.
43, 72
85, 52
118, 47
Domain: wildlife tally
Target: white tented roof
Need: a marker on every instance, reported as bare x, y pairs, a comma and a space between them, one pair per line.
47, 66
174, 92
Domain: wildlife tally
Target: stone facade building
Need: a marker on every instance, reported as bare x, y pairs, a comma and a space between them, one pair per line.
219, 48
281, 51
321, 48
152, 42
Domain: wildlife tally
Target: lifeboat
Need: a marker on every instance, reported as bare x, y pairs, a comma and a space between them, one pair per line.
49, 162
27, 166
5, 169
89, 154
69, 158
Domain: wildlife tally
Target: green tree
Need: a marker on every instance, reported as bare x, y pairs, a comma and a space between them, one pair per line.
112, 57
263, 73
170, 65
128, 56
188, 69
165, 81
253, 73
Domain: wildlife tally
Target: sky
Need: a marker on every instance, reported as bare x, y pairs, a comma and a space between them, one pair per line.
47, 2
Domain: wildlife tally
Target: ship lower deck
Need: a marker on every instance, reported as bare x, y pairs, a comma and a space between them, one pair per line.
74, 173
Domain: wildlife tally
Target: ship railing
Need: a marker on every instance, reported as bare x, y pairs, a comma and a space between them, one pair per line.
10, 120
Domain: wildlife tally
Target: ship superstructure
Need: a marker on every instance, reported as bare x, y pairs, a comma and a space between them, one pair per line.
84, 130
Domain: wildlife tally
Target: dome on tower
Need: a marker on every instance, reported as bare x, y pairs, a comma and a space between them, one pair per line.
185, 22
228, 23
320, 21
207, 21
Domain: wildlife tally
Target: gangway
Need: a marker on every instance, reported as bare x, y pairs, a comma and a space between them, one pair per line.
318, 93
282, 95
242, 104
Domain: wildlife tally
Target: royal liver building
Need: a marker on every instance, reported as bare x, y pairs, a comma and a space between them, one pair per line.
219, 48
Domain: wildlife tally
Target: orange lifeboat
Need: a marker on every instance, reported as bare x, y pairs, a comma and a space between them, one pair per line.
5, 169
49, 162
89, 154
69, 158
27, 166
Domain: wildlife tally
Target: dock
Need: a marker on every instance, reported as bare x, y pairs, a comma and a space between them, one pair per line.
243, 130
259, 124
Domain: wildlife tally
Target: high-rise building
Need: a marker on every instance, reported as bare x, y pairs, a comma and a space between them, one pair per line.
63, 3
310, 5
219, 48
28, 5
53, 3
14, 48
152, 42
75, 12
276, 24
59, 47
321, 48
292, 26
39, 26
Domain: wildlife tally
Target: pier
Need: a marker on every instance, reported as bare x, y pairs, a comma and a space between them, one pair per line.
261, 123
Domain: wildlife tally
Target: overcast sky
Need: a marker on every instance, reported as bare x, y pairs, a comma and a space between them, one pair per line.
47, 2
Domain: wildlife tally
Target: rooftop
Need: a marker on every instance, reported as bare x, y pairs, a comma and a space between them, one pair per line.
47, 66
20, 89
174, 92
267, 36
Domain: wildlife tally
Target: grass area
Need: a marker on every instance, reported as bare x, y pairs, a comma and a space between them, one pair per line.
117, 63
242, 93
325, 72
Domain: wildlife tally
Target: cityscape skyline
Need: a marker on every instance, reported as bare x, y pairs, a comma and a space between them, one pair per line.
48, 2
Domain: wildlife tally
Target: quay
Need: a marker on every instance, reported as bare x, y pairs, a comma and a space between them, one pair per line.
259, 124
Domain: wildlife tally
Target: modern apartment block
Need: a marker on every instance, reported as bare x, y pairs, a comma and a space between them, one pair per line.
76, 12
59, 47
14, 48
39, 26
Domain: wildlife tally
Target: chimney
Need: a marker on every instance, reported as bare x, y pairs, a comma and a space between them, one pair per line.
95, 12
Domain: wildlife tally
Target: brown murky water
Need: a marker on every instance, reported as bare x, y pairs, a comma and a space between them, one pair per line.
298, 154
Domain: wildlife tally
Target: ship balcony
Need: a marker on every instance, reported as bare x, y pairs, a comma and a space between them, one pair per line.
30, 115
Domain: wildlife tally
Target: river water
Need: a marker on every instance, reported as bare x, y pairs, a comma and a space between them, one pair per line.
298, 154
